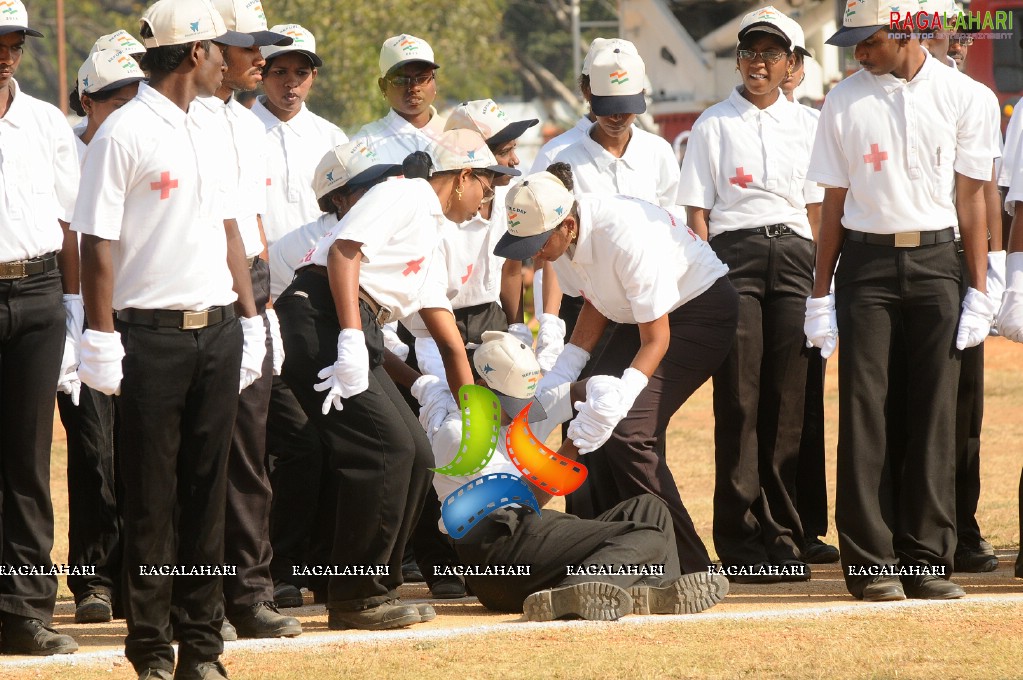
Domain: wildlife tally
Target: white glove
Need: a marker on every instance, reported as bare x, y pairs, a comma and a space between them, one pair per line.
549, 341
349, 375
1010, 317
975, 323
253, 351
522, 333
821, 324
608, 400
276, 342
996, 280
435, 402
566, 369
101, 361
392, 342
74, 321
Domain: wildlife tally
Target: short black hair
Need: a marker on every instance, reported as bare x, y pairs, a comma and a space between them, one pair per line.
168, 57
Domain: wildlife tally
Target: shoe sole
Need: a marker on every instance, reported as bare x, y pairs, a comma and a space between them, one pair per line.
400, 622
690, 594
289, 602
589, 601
70, 648
989, 565
282, 631
894, 596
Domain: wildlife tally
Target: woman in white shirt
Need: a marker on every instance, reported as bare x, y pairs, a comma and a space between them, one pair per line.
380, 263
635, 264
744, 186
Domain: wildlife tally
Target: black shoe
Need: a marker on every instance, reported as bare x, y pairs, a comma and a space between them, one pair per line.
761, 572
262, 620
447, 588
690, 594
22, 635
319, 597
794, 571
410, 571
593, 601
94, 608
426, 612
884, 589
228, 633
392, 614
206, 670
932, 588
816, 551
974, 562
287, 596
156, 674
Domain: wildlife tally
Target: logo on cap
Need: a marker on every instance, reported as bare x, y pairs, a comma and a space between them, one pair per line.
559, 210
619, 77
364, 150
85, 83
124, 62
470, 154
194, 26
11, 9
330, 176
296, 35
512, 221
408, 46
488, 368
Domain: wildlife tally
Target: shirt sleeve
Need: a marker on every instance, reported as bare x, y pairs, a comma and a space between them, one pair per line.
668, 177
66, 171
106, 177
828, 163
696, 184
977, 128
434, 293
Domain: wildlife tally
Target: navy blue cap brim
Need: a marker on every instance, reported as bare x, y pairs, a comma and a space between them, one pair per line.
850, 37
619, 104
27, 31
268, 38
511, 131
117, 85
374, 173
504, 170
512, 247
765, 27
513, 407
235, 39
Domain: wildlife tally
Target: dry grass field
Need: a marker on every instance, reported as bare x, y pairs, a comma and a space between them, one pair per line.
793, 630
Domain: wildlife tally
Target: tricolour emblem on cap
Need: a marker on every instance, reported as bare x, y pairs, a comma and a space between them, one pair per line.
619, 77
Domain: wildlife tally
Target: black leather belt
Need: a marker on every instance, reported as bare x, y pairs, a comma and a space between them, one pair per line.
381, 314
772, 230
906, 239
174, 318
23, 268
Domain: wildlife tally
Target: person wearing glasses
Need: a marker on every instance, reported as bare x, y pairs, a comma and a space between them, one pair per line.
380, 263
744, 187
409, 84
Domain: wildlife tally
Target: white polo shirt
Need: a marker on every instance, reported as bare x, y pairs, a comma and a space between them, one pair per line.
151, 185
648, 169
38, 177
551, 149
289, 251
294, 149
1011, 150
748, 166
393, 138
896, 146
398, 223
635, 261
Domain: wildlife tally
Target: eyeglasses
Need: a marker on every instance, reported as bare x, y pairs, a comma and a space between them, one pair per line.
488, 190
407, 81
965, 41
770, 57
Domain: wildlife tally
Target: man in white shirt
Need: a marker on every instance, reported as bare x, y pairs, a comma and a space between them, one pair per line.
893, 141
38, 258
160, 248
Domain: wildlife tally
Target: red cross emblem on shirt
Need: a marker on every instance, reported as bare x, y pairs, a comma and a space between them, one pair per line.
468, 273
413, 266
164, 186
875, 156
740, 179
268, 182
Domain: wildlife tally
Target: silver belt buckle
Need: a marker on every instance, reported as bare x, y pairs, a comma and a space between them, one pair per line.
907, 239
383, 316
191, 321
12, 270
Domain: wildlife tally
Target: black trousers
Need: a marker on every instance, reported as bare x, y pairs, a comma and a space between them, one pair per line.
378, 447
94, 523
759, 392
811, 478
31, 343
179, 390
969, 419
304, 491
247, 517
634, 532
702, 331
896, 455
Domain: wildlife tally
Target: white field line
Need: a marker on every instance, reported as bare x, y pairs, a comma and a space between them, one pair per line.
308, 640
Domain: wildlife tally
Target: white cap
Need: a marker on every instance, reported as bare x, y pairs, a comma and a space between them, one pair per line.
14, 17
599, 44
616, 83
510, 369
459, 149
179, 22
864, 18
351, 163
303, 42
247, 16
108, 70
486, 117
535, 207
118, 41
766, 20
403, 49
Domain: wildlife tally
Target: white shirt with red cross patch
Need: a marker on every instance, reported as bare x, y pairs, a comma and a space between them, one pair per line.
398, 223
896, 145
294, 149
393, 138
151, 185
748, 166
648, 169
38, 177
635, 261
